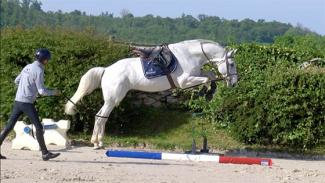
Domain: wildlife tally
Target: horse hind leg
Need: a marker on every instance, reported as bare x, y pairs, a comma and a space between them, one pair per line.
112, 97
99, 126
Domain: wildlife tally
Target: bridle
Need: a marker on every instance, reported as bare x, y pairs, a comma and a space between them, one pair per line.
211, 62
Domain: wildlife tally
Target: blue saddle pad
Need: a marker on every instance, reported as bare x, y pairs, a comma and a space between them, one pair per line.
153, 68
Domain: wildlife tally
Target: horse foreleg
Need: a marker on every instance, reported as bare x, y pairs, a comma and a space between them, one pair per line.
211, 75
213, 86
187, 81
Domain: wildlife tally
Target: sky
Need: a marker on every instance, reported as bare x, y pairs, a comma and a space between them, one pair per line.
308, 13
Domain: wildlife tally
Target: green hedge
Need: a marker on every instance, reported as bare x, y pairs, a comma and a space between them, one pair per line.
73, 53
274, 102
288, 110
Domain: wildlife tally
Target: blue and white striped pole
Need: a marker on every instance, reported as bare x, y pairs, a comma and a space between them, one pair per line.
160, 156
133, 154
189, 157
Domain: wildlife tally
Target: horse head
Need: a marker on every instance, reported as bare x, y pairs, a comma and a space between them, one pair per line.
222, 59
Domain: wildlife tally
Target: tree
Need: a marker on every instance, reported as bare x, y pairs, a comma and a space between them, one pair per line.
126, 13
147, 29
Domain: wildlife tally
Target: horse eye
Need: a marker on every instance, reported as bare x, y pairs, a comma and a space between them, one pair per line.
232, 64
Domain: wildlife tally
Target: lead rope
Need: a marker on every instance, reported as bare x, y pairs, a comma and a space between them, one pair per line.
66, 97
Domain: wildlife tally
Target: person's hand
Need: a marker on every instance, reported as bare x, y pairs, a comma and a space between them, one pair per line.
57, 92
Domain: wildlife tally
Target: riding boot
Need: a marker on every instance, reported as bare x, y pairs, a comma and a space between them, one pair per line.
49, 155
2, 157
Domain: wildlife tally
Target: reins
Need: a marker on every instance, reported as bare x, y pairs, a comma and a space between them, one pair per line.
228, 74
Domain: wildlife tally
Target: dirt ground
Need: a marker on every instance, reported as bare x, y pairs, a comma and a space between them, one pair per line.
82, 164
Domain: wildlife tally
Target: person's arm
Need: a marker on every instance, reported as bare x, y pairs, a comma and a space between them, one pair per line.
40, 86
17, 80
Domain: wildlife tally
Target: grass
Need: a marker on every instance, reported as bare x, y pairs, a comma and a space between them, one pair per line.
173, 131
167, 130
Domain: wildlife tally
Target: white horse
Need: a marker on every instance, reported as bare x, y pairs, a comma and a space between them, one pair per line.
127, 74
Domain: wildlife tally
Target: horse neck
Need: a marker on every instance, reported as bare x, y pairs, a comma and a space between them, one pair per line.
187, 54
213, 49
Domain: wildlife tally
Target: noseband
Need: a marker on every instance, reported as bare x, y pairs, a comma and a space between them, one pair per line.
228, 74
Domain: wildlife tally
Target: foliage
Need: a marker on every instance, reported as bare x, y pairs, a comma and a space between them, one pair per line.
274, 102
148, 29
73, 53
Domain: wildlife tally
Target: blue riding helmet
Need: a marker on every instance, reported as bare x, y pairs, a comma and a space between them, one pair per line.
43, 54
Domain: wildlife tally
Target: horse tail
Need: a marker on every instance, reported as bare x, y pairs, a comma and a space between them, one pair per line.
88, 83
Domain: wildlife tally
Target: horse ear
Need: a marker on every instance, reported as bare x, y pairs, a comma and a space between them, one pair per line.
231, 53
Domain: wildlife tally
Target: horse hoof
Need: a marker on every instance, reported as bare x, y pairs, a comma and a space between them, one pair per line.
202, 91
96, 148
208, 97
101, 146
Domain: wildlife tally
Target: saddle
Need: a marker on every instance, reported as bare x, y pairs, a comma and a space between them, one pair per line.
160, 54
147, 52
156, 61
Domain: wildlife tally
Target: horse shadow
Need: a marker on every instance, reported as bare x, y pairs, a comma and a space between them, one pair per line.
148, 121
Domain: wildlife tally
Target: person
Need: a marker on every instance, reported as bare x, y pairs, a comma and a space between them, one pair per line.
30, 83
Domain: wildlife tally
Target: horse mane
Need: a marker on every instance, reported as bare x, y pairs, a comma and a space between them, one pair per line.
199, 41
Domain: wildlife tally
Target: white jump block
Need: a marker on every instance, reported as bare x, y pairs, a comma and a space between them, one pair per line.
24, 138
54, 133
